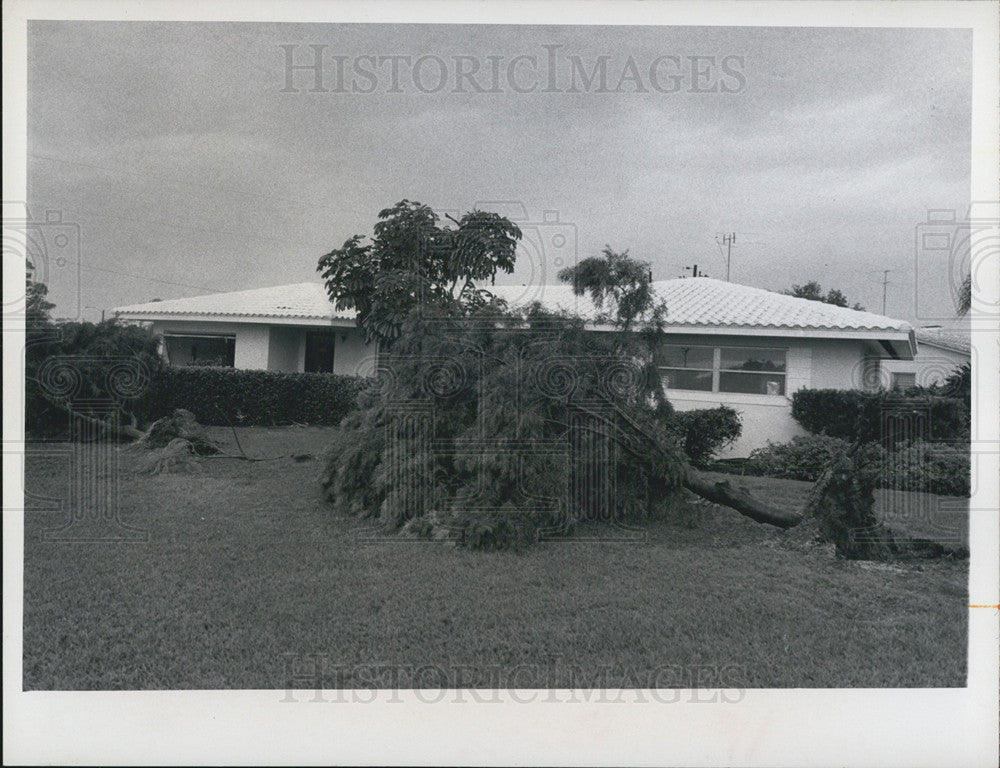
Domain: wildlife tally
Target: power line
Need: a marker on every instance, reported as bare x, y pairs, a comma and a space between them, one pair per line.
186, 183
203, 230
144, 277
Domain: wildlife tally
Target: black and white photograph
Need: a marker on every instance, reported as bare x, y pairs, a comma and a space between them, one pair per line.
484, 383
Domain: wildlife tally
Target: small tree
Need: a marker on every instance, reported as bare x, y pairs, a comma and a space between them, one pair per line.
85, 354
965, 296
491, 426
813, 291
411, 261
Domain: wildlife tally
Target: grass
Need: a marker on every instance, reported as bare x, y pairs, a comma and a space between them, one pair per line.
245, 571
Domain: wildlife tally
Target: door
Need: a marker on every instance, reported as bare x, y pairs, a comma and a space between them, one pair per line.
319, 351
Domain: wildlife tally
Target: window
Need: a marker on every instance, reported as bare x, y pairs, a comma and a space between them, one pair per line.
746, 370
687, 367
319, 351
904, 380
752, 370
200, 349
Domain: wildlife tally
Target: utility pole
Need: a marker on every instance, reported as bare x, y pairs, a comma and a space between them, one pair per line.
885, 283
728, 241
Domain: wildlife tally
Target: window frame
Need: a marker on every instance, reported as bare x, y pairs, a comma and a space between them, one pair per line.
226, 337
717, 370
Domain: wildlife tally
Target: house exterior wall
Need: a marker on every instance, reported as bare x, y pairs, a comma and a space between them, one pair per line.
931, 365
283, 351
252, 340
351, 356
252, 347
812, 363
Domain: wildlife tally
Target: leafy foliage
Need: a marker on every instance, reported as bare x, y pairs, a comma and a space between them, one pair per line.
958, 384
704, 432
617, 282
413, 261
965, 296
938, 468
77, 362
248, 397
804, 458
813, 291
498, 427
851, 414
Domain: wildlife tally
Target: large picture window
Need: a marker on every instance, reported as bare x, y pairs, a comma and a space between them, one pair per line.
200, 350
744, 370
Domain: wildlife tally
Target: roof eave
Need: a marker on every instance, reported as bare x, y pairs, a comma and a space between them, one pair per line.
206, 317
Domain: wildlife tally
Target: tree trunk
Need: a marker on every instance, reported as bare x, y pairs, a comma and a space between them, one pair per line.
740, 499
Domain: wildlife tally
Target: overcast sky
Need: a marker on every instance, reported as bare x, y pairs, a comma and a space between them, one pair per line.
190, 167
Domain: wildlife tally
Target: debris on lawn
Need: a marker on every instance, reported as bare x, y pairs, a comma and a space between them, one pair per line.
182, 425
176, 456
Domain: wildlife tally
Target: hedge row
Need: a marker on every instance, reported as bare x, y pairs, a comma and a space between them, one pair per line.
938, 468
247, 397
849, 414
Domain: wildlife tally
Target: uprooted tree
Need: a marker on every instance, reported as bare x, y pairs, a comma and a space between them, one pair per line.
490, 425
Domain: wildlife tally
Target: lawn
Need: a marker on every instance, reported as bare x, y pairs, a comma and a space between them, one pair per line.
246, 574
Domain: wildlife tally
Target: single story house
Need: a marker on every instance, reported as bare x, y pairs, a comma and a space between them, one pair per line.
939, 353
730, 344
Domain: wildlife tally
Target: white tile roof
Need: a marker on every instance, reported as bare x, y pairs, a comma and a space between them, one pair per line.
947, 339
701, 301
706, 302
307, 301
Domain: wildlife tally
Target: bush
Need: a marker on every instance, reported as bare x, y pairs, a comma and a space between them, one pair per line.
937, 468
850, 414
249, 398
930, 467
83, 366
703, 433
804, 458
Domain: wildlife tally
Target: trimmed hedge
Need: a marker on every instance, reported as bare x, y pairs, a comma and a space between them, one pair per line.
851, 414
938, 468
249, 398
703, 433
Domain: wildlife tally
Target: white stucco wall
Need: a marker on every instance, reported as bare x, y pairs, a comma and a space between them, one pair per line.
283, 348
931, 365
351, 356
812, 363
252, 347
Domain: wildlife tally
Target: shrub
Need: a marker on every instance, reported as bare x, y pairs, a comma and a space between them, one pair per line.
804, 458
930, 467
79, 366
703, 433
938, 468
249, 398
850, 414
